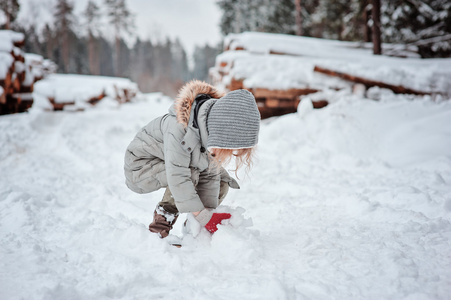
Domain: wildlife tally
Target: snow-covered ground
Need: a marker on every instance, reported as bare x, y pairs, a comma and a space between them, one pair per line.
352, 201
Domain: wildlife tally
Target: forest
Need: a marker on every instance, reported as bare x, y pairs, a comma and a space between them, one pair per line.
78, 43
425, 24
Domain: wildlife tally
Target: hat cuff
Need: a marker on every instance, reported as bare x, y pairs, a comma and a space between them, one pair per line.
230, 148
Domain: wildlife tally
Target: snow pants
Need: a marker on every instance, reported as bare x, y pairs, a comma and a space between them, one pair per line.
168, 202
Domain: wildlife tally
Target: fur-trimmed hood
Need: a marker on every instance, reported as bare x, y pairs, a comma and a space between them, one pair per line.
186, 96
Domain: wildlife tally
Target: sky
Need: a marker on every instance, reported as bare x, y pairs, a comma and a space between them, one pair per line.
194, 22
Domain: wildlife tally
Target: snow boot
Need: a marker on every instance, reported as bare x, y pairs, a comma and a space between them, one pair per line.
162, 221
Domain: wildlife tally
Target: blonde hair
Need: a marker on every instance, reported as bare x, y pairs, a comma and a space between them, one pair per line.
243, 157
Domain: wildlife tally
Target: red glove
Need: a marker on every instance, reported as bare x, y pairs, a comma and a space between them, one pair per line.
210, 220
216, 219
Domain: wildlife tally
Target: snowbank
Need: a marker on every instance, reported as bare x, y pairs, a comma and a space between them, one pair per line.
348, 202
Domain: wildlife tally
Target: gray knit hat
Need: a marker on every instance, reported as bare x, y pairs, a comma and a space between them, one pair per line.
234, 121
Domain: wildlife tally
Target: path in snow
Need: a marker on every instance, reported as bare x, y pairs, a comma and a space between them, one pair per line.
351, 201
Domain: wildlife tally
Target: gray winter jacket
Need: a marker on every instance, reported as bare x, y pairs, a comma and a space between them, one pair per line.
170, 152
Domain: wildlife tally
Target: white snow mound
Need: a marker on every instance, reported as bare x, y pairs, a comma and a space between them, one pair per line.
351, 201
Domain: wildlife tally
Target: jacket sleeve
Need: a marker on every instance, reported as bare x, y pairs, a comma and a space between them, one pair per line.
177, 161
208, 187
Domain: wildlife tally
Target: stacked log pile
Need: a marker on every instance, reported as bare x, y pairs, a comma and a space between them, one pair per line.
281, 69
280, 102
76, 92
18, 73
270, 102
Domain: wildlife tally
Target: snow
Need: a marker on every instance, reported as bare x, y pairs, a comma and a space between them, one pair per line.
8, 38
351, 201
33, 58
19, 67
260, 69
279, 72
6, 61
39, 66
66, 88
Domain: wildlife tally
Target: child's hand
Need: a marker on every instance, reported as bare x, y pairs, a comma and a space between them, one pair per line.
210, 219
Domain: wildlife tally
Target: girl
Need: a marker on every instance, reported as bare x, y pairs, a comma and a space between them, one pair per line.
184, 150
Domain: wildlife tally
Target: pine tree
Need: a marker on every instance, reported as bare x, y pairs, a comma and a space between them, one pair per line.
308, 10
106, 57
200, 65
92, 16
10, 8
137, 59
243, 15
228, 15
280, 17
204, 58
32, 43
143, 62
121, 19
341, 19
64, 20
48, 41
79, 61
124, 60
180, 70
424, 23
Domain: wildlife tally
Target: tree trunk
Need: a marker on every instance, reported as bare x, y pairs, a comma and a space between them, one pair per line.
8, 21
298, 6
367, 27
237, 26
398, 89
49, 47
91, 55
96, 58
118, 55
65, 40
65, 50
376, 14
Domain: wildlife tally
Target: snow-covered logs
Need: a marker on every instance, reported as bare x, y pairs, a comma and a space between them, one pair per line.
244, 66
368, 83
271, 101
282, 68
77, 92
279, 102
20, 89
18, 73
